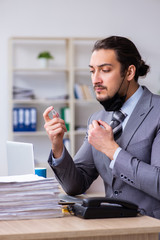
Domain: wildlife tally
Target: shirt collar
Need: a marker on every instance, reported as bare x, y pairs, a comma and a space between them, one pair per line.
130, 104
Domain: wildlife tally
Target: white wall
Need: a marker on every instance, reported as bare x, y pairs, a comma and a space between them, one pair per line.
139, 20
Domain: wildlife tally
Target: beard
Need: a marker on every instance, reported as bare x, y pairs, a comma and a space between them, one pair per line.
114, 103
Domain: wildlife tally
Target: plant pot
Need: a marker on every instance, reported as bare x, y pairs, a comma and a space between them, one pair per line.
43, 62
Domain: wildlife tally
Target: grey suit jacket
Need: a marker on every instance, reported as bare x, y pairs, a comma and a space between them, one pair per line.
136, 174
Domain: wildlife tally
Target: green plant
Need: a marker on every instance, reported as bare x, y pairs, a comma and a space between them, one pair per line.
46, 55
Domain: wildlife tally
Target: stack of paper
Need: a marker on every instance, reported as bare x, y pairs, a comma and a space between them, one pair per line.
29, 197
23, 93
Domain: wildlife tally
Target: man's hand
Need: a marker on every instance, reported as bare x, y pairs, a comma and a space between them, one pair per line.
100, 136
55, 129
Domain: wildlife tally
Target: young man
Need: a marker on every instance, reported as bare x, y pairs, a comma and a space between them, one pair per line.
130, 163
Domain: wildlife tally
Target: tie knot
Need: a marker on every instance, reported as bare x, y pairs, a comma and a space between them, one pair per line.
118, 116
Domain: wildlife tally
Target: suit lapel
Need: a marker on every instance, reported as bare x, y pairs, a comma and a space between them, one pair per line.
138, 115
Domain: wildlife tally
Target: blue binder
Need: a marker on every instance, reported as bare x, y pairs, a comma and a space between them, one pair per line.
24, 119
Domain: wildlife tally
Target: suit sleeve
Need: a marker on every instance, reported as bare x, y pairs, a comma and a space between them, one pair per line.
141, 174
76, 176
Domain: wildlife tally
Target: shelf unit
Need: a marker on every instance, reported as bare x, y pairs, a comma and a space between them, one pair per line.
70, 66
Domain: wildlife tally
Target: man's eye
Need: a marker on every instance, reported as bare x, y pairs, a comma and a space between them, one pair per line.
106, 70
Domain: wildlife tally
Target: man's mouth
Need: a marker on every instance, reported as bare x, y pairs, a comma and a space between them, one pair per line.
99, 88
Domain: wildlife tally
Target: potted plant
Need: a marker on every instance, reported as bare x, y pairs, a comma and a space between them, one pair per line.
44, 58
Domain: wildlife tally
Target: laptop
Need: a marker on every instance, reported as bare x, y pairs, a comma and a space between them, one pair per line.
20, 158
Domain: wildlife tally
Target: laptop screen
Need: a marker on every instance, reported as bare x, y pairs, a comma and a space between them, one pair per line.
20, 158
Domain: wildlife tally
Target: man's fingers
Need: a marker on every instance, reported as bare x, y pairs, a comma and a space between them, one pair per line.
94, 124
45, 114
55, 124
104, 124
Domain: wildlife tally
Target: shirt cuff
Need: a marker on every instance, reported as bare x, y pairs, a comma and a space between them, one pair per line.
57, 161
115, 157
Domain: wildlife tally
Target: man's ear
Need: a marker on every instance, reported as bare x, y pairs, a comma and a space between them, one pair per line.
131, 72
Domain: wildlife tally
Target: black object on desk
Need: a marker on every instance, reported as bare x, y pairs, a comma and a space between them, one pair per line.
101, 207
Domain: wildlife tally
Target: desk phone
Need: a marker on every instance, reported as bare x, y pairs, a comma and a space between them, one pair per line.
101, 207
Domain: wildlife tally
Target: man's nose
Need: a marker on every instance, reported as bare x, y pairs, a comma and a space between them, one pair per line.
96, 78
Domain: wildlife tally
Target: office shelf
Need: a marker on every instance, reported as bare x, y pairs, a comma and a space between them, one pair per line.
53, 85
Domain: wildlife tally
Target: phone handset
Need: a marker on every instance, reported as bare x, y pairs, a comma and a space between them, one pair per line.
98, 201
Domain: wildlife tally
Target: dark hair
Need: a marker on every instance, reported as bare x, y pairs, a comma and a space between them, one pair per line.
126, 52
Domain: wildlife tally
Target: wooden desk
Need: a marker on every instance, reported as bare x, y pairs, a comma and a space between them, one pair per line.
71, 227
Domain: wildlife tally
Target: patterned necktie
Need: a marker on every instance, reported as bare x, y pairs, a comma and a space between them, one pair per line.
116, 123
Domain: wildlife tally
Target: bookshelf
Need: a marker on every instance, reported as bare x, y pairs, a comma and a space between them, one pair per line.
54, 85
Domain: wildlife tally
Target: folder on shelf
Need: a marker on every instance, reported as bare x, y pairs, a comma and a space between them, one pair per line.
24, 119
33, 119
83, 91
15, 119
65, 114
27, 119
21, 117
78, 92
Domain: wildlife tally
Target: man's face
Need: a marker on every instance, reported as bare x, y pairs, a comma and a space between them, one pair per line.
106, 74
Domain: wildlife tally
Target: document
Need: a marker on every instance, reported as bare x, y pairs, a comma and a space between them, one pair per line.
29, 197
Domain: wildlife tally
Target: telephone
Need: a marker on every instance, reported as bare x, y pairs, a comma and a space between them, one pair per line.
101, 207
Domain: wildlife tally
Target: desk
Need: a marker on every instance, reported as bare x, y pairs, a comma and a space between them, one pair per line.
71, 227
